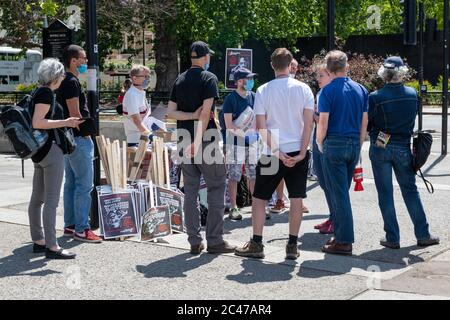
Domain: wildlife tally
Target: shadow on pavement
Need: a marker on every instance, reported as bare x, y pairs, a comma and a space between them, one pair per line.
175, 267
255, 271
381, 260
275, 218
22, 263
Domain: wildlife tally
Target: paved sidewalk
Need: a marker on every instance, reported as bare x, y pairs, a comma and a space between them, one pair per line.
131, 270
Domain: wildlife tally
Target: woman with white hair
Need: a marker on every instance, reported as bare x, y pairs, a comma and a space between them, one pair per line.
392, 114
48, 161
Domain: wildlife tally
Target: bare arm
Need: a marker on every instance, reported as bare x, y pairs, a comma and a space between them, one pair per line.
229, 122
205, 116
39, 121
173, 113
136, 118
364, 123
322, 127
73, 105
308, 118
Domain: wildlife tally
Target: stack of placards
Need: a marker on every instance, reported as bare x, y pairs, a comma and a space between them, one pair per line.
142, 210
175, 201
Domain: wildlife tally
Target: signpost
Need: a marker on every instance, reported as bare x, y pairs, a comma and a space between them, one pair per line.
445, 81
55, 39
92, 93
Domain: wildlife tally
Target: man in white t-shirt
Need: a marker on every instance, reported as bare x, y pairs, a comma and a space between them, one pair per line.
284, 110
135, 105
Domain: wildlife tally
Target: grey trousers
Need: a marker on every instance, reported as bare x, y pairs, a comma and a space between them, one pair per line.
47, 181
215, 178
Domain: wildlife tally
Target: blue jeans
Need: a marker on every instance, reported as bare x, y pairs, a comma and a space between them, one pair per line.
399, 159
340, 156
79, 183
318, 170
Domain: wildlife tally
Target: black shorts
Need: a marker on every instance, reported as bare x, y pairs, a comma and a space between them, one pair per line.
295, 177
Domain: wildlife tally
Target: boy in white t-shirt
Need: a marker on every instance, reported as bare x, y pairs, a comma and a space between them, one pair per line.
284, 110
135, 105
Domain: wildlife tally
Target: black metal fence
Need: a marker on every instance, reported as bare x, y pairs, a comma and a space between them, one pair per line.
107, 99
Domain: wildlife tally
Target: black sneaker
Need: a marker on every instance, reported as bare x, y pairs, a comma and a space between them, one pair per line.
251, 249
428, 242
292, 251
60, 254
235, 214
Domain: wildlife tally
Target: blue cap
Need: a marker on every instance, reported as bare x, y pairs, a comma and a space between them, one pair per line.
393, 62
243, 73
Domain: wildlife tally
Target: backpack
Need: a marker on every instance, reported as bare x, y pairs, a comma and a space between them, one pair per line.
17, 122
243, 195
422, 142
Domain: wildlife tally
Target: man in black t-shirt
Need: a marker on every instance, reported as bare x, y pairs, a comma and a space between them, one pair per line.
79, 168
192, 105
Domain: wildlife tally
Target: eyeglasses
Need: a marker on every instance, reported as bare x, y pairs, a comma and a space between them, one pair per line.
141, 76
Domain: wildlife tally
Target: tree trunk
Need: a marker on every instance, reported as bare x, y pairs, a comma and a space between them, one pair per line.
166, 67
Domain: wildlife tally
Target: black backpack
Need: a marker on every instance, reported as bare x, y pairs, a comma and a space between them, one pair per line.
422, 142
243, 195
17, 123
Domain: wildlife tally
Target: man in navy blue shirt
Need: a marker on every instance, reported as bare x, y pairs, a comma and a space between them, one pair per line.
238, 149
342, 129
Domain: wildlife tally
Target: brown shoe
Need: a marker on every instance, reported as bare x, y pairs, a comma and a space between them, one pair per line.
197, 248
331, 241
338, 248
279, 207
305, 209
224, 247
251, 249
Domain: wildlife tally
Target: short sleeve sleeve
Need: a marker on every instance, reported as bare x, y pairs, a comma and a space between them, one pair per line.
260, 107
131, 103
211, 88
324, 102
309, 98
70, 90
227, 105
173, 92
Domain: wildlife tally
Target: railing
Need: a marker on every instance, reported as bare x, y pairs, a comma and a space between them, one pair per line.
107, 98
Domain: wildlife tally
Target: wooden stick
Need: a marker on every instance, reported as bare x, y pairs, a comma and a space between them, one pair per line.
138, 157
124, 164
166, 166
102, 153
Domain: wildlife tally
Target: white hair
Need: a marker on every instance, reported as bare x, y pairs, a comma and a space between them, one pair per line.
394, 75
49, 71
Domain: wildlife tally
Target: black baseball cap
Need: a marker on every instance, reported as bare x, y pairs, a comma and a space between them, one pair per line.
199, 49
243, 73
393, 62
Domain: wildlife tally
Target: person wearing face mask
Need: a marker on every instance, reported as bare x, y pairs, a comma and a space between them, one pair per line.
79, 166
238, 150
191, 103
135, 105
48, 161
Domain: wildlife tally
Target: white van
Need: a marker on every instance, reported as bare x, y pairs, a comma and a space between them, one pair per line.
16, 68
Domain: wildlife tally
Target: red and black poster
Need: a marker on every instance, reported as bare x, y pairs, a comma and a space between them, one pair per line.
175, 202
156, 223
236, 58
118, 215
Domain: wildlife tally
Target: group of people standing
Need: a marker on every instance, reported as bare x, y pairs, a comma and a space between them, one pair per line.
286, 115
282, 117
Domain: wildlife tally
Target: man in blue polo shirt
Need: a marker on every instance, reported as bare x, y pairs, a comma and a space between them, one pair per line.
342, 129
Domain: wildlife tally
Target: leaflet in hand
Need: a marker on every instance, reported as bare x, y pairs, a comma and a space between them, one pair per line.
154, 124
